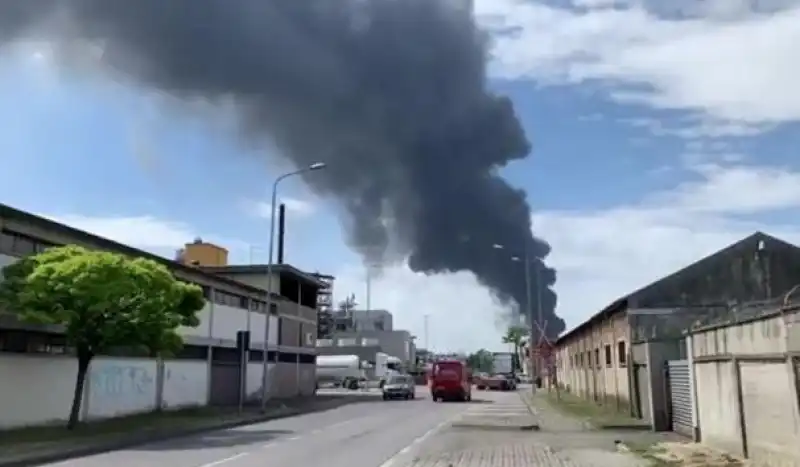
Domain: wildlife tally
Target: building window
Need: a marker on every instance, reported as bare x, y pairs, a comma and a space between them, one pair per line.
21, 245
230, 299
621, 353
259, 306
280, 331
597, 358
273, 309
609, 360
6, 241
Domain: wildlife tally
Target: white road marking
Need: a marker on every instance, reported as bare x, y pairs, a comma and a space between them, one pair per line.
389, 462
227, 459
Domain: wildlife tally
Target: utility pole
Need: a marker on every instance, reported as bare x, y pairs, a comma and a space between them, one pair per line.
425, 331
369, 289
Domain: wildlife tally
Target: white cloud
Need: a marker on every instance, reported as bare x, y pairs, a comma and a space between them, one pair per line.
599, 255
158, 236
603, 255
462, 315
299, 207
726, 64
142, 231
296, 207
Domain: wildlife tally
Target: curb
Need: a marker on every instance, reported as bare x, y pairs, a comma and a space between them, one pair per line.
528, 404
479, 427
132, 440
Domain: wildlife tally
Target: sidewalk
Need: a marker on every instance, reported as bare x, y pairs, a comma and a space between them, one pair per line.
38, 445
559, 441
582, 438
583, 431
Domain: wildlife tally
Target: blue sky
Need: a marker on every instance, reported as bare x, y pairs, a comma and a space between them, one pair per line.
652, 146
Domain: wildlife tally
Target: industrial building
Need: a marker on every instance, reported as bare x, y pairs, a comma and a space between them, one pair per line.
367, 332
622, 354
236, 301
362, 320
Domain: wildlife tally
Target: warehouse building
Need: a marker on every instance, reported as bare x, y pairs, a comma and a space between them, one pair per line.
611, 359
233, 304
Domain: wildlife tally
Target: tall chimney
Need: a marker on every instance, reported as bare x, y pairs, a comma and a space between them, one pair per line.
281, 230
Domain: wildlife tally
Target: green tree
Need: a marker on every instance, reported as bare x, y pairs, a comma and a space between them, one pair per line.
515, 335
481, 361
103, 300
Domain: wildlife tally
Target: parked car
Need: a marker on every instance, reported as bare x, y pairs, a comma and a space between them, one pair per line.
399, 387
480, 381
500, 382
450, 381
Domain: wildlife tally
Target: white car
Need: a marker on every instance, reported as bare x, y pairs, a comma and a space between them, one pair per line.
399, 387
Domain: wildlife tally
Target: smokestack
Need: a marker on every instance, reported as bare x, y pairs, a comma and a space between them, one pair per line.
281, 230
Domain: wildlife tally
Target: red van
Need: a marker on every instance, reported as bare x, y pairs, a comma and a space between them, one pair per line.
450, 380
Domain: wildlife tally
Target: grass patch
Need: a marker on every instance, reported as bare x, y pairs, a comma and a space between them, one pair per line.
684, 455
655, 454
601, 416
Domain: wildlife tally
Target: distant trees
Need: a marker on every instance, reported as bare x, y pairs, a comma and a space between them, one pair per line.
103, 300
481, 361
515, 335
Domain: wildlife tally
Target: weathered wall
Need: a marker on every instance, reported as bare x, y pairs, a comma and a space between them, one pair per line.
35, 389
594, 363
41, 388
747, 394
185, 384
120, 387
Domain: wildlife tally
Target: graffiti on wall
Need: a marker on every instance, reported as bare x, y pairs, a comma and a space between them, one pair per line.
116, 381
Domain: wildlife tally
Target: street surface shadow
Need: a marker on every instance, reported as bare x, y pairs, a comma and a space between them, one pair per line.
216, 439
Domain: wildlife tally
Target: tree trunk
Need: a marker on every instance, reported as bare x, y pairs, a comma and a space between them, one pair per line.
77, 397
515, 359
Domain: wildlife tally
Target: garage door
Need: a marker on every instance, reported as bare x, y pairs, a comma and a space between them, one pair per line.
680, 393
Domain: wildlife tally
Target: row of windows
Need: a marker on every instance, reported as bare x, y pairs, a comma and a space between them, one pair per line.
26, 342
22, 245
591, 358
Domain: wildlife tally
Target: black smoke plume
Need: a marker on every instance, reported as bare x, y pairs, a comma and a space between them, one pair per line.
391, 94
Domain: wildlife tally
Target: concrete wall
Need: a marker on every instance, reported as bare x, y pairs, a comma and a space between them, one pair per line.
583, 368
41, 388
651, 395
746, 389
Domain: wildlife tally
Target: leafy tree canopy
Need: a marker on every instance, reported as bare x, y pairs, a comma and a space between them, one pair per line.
481, 361
515, 335
102, 299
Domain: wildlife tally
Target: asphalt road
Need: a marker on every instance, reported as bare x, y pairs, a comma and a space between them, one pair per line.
363, 434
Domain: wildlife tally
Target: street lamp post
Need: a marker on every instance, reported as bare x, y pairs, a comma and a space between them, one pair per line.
529, 305
265, 377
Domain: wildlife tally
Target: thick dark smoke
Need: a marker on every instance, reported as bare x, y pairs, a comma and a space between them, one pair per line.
391, 94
